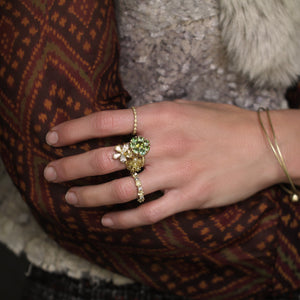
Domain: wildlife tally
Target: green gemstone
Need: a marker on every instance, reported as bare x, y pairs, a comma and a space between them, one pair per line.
139, 145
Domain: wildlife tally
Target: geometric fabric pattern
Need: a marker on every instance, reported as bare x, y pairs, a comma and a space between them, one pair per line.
59, 60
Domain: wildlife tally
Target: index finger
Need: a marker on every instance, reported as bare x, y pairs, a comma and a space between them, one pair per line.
96, 125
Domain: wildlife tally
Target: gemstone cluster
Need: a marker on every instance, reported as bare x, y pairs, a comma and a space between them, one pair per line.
139, 145
132, 153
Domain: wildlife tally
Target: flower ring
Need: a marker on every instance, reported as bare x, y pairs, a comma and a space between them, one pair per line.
132, 154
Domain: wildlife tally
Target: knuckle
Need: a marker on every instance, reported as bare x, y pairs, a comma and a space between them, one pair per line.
121, 221
62, 169
168, 105
152, 214
175, 146
86, 198
173, 108
103, 122
200, 194
169, 115
101, 161
164, 113
178, 145
187, 169
165, 105
206, 188
122, 190
168, 110
83, 197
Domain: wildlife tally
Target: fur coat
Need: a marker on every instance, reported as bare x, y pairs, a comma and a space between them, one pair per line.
262, 38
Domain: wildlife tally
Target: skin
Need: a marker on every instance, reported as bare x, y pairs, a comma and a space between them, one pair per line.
202, 155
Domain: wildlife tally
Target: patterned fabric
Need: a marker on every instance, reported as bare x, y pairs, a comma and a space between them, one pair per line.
58, 61
40, 285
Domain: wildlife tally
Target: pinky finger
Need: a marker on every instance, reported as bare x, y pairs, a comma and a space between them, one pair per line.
146, 214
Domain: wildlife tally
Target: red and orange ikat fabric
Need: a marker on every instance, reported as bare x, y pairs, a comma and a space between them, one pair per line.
59, 61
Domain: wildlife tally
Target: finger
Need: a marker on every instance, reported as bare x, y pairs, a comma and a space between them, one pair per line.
91, 163
117, 191
145, 214
150, 118
99, 124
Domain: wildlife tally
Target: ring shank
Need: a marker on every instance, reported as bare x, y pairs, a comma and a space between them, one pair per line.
135, 120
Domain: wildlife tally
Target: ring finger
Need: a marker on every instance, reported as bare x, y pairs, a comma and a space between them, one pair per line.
117, 191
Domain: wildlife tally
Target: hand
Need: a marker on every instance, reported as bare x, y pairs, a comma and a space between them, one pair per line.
202, 155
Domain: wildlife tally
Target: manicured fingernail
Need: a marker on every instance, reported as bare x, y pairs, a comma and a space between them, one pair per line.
107, 222
50, 174
52, 138
71, 198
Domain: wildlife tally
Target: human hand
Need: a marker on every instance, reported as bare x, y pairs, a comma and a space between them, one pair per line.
202, 155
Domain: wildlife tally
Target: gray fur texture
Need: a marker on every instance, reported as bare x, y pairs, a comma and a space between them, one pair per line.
262, 38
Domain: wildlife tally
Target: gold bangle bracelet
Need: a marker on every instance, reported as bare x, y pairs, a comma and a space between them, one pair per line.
293, 192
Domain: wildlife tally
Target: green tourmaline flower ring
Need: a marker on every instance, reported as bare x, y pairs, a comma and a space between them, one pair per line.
139, 145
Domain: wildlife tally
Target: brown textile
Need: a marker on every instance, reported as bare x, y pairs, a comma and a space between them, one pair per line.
41, 285
59, 61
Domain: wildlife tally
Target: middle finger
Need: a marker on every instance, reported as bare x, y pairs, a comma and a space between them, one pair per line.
95, 162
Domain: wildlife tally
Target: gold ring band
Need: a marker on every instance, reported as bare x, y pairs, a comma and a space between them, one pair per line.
140, 191
135, 120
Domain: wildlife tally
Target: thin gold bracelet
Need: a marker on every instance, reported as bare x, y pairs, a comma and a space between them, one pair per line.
293, 192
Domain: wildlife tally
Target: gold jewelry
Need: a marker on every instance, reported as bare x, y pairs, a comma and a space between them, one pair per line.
132, 154
122, 152
135, 120
138, 184
135, 164
293, 192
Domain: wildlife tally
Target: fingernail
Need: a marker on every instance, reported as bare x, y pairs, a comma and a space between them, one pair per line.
107, 222
52, 138
71, 198
50, 174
